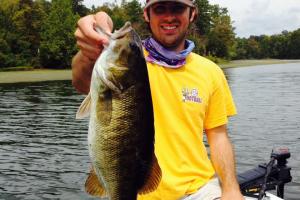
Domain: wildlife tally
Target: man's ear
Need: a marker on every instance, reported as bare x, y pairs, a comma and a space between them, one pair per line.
193, 15
146, 17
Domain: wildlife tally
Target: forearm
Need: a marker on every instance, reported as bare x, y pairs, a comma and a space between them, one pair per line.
222, 157
82, 68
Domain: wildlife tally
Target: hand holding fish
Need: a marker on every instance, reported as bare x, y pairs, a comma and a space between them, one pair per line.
91, 45
88, 40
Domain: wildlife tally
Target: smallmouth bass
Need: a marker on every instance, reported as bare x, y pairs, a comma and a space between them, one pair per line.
121, 126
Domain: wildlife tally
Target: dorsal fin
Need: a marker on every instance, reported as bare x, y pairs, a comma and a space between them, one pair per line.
85, 107
154, 178
93, 185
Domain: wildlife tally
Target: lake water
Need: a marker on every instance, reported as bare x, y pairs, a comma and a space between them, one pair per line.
43, 149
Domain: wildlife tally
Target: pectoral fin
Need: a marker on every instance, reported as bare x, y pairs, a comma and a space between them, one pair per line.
93, 185
110, 81
104, 108
85, 107
154, 178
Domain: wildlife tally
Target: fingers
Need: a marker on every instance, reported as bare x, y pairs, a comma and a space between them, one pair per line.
86, 29
89, 41
91, 45
90, 51
105, 22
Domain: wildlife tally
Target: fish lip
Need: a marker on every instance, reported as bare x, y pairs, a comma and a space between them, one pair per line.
122, 31
118, 33
102, 31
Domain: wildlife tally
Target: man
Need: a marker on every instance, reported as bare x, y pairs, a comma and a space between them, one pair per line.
190, 95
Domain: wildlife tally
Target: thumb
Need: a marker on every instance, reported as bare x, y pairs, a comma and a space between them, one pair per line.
105, 22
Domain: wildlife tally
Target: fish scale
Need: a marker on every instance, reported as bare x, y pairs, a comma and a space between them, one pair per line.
121, 126
120, 148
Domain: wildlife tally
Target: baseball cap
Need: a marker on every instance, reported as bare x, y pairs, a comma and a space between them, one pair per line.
186, 2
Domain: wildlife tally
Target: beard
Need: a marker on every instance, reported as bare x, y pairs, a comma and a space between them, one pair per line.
171, 42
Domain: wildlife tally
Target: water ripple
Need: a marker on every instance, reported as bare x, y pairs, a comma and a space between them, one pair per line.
268, 116
43, 149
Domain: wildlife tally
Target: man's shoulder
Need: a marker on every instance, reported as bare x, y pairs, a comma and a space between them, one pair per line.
201, 61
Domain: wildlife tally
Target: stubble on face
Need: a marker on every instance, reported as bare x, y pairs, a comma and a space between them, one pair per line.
171, 41
170, 30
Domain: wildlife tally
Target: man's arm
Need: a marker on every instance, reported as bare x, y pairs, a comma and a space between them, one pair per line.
222, 157
82, 68
90, 44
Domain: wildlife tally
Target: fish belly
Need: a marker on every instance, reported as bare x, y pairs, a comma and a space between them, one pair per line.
122, 149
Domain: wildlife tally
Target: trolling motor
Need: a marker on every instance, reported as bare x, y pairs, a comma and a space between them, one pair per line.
271, 176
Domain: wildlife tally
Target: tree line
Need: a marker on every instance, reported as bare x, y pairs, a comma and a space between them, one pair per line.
280, 46
40, 33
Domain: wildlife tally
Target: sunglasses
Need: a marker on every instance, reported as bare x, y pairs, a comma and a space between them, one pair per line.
176, 8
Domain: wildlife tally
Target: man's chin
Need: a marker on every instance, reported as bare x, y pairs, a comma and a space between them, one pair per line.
171, 45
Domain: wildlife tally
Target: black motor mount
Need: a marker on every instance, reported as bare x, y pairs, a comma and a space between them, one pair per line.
271, 176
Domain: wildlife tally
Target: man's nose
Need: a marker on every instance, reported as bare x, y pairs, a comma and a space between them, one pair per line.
169, 14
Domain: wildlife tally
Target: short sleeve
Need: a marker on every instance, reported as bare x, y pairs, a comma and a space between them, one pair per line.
220, 104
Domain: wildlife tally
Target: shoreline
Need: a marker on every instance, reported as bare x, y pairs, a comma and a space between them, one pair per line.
56, 75
255, 62
35, 76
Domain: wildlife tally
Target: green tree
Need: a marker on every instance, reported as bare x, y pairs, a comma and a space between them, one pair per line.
278, 46
201, 26
134, 13
118, 17
27, 22
128, 11
6, 57
203, 20
221, 38
105, 7
79, 8
199, 40
241, 52
264, 42
20, 31
57, 38
8, 35
294, 44
253, 48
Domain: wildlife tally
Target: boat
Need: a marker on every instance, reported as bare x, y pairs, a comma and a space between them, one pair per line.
271, 196
267, 176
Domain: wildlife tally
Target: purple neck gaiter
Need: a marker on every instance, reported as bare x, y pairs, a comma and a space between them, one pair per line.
161, 56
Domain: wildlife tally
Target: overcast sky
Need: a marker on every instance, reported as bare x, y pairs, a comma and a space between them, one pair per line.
252, 17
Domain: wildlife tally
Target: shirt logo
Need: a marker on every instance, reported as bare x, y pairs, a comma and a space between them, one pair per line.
190, 95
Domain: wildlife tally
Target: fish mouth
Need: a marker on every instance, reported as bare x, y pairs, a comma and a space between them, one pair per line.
122, 32
118, 33
130, 33
124, 47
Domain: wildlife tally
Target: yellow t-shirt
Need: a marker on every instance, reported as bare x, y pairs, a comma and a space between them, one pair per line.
186, 101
